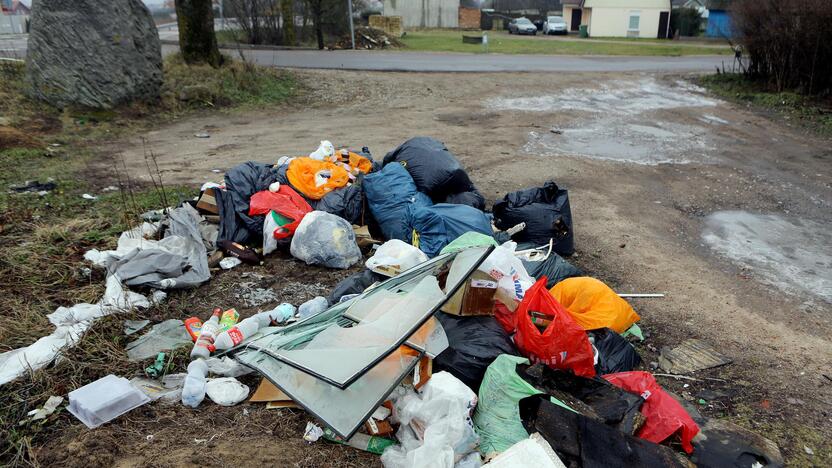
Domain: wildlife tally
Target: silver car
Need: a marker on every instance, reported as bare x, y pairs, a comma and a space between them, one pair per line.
522, 26
555, 25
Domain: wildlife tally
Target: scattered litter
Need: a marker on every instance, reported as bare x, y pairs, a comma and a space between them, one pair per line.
722, 443
157, 368
202, 135
44, 411
133, 326
327, 240
394, 257
312, 432
33, 186
193, 389
226, 367
691, 356
808, 450
367, 443
87, 196
226, 391
228, 263
164, 336
104, 400
168, 390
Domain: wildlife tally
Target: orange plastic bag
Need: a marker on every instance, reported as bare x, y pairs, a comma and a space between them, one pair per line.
563, 344
316, 178
357, 163
594, 305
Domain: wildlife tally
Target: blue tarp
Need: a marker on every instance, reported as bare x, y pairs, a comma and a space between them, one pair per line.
389, 193
439, 224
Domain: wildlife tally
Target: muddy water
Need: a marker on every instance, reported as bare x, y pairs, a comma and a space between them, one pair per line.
616, 122
791, 254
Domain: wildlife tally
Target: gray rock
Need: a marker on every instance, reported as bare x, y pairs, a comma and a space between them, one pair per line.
93, 53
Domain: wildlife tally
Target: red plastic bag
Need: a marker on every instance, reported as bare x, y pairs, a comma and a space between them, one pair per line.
286, 203
505, 317
563, 344
664, 415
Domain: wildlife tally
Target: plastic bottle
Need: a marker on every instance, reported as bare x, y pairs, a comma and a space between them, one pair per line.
193, 392
282, 313
245, 329
205, 343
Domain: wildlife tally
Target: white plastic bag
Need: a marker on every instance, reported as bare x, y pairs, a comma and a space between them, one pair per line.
436, 428
394, 257
269, 225
508, 270
324, 152
226, 391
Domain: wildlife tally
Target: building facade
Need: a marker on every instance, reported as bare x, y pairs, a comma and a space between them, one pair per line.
619, 18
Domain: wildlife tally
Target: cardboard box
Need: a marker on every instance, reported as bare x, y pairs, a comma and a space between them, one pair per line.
476, 297
208, 202
420, 374
378, 428
273, 396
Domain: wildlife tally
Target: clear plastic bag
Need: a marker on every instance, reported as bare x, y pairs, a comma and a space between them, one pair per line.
327, 240
508, 271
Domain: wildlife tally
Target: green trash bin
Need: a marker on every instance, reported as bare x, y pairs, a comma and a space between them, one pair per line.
584, 31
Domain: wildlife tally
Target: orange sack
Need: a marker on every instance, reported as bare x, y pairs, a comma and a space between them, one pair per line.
316, 178
594, 305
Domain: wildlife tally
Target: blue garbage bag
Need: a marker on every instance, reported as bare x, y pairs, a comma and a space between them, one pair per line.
389, 193
440, 224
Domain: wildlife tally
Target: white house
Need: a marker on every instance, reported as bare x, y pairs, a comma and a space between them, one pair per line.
619, 18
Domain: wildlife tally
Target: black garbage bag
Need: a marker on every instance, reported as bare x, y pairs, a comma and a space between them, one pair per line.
434, 169
547, 215
583, 442
346, 202
555, 268
472, 198
241, 182
615, 353
594, 398
354, 284
473, 344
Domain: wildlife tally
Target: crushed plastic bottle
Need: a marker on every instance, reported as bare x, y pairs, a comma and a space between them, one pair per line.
193, 392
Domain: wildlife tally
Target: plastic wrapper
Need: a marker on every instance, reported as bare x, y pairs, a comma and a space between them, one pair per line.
327, 240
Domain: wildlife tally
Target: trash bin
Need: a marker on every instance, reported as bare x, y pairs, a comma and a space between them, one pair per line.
584, 31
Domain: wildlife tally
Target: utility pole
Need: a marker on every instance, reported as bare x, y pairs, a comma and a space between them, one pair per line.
352, 28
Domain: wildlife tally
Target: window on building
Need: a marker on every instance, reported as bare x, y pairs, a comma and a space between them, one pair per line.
635, 17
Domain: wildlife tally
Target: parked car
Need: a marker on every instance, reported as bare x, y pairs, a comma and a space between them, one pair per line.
522, 26
555, 25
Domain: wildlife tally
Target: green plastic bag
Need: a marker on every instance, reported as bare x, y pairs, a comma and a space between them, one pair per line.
468, 240
497, 419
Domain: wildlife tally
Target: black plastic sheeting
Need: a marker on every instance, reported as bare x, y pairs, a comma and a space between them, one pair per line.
547, 215
473, 344
354, 284
583, 442
434, 169
594, 398
346, 202
473, 198
555, 268
615, 353
241, 182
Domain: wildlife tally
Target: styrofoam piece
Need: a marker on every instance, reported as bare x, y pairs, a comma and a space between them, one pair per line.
104, 400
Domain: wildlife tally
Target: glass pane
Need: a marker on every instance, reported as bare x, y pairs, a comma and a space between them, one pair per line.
343, 410
634, 22
342, 343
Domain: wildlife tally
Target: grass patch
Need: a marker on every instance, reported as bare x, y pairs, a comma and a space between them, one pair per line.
45, 236
813, 113
500, 42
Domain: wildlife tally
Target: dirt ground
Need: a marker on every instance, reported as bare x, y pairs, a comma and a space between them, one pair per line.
672, 191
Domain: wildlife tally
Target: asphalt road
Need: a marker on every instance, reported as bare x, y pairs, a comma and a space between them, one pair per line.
15, 46
456, 62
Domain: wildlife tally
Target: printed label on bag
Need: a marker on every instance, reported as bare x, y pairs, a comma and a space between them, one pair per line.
373, 426
479, 283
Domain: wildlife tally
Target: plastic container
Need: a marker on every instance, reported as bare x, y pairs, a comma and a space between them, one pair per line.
104, 400
193, 391
205, 343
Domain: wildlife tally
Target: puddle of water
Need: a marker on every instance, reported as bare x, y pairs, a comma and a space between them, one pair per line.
791, 254
621, 141
616, 98
615, 122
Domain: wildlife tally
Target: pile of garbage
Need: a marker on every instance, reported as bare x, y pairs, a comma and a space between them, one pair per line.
368, 38
467, 338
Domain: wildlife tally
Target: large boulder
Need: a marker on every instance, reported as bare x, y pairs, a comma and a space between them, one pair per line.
93, 53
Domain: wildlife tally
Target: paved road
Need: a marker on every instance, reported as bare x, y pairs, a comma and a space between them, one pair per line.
15, 46
454, 62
